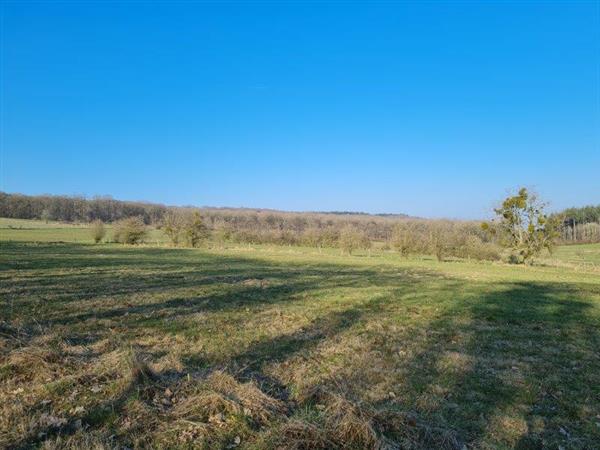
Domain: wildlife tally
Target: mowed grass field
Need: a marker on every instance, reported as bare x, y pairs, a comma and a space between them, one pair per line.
111, 346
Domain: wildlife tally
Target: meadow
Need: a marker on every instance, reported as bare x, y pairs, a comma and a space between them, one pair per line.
254, 347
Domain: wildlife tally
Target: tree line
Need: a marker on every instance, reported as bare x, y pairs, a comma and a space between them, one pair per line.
583, 215
521, 227
580, 225
190, 226
77, 209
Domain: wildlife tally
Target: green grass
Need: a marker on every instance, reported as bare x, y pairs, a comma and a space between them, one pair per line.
278, 347
587, 254
39, 231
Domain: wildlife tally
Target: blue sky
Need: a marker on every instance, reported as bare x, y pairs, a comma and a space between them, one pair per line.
431, 109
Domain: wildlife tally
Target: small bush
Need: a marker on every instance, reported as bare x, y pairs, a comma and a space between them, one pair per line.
223, 233
352, 239
194, 230
45, 215
440, 240
513, 258
312, 237
98, 231
172, 226
185, 226
130, 231
404, 238
443, 239
473, 247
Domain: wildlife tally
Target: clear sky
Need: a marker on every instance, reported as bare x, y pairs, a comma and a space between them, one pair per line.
431, 109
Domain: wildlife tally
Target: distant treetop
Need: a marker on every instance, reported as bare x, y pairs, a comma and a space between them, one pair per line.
585, 214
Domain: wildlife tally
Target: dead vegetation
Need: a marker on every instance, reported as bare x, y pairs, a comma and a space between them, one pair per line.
63, 394
141, 406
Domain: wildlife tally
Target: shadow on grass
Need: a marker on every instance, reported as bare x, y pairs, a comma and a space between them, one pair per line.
526, 368
246, 366
530, 350
131, 280
549, 335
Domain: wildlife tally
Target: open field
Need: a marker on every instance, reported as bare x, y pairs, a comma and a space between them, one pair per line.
40, 231
585, 254
279, 347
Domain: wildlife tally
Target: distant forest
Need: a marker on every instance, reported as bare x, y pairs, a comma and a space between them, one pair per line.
581, 224
81, 209
585, 214
268, 226
252, 225
77, 209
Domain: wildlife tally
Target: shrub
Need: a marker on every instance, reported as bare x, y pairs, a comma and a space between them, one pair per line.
474, 247
130, 231
172, 225
443, 238
45, 215
178, 225
352, 239
194, 230
313, 237
440, 240
404, 238
97, 230
330, 237
223, 233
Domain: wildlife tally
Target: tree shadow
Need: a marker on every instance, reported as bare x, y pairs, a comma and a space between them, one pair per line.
224, 283
246, 282
528, 345
513, 365
247, 365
